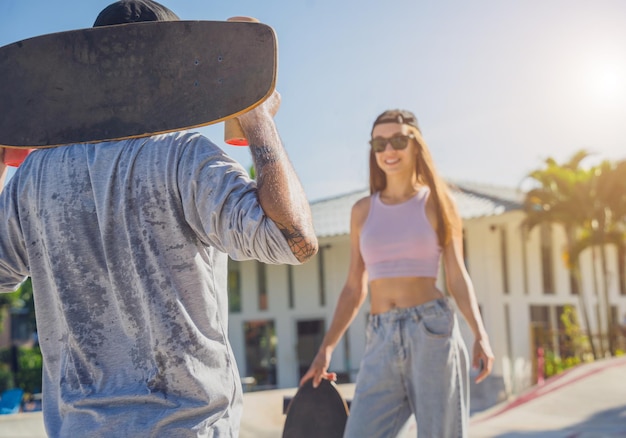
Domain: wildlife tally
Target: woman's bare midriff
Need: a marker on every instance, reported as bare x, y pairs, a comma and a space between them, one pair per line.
402, 292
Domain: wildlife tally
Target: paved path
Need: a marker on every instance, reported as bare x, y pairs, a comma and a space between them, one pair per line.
26, 425
585, 402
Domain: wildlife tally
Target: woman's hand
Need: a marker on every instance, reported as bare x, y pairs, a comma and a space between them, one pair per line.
319, 369
482, 358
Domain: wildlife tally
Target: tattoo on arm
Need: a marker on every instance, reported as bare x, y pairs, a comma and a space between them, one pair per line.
263, 155
301, 246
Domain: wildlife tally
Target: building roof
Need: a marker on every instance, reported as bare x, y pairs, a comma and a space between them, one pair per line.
331, 216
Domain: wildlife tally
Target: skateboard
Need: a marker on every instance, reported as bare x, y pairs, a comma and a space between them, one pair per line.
316, 412
132, 80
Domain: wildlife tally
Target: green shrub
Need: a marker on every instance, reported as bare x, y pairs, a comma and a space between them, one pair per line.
30, 368
29, 372
554, 364
6, 378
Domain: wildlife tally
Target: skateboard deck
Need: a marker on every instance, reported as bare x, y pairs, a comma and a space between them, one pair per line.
316, 412
132, 80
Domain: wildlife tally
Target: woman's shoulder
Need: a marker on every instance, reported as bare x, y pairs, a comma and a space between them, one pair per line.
363, 203
361, 209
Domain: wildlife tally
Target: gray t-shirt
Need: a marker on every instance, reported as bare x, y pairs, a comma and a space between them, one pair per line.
126, 246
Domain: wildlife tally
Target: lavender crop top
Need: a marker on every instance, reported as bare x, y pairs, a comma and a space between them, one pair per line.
398, 240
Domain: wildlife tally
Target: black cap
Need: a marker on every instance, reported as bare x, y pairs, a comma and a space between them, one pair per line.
400, 116
133, 11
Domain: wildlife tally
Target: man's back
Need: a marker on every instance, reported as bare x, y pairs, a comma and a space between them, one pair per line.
126, 244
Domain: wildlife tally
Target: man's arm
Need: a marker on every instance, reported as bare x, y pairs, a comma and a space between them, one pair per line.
280, 193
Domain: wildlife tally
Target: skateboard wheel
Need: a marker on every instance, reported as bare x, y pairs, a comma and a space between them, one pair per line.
14, 157
233, 134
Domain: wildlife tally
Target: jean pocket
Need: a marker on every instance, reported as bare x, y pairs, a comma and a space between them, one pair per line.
438, 325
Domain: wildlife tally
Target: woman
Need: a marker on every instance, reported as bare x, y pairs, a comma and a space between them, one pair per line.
415, 360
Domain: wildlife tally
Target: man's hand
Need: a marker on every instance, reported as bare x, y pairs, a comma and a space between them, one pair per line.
262, 113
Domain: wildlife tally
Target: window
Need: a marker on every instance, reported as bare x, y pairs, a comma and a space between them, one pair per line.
234, 286
540, 316
547, 260
524, 242
621, 268
573, 284
22, 328
509, 336
504, 260
261, 358
262, 285
566, 343
310, 336
540, 330
322, 274
614, 323
290, 288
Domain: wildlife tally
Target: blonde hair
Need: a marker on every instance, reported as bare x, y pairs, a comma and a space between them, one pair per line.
425, 171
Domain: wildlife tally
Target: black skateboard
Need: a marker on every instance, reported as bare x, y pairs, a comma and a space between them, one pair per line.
316, 412
132, 80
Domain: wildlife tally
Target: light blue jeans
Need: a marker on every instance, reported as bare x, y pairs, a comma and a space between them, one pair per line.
415, 362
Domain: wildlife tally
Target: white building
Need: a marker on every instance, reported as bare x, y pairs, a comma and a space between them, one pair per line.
279, 313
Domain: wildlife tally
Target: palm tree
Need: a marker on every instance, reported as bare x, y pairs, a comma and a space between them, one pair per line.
561, 191
608, 211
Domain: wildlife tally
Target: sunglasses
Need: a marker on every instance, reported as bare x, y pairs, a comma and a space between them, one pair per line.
398, 142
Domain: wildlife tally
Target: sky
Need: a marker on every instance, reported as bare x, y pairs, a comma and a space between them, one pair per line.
498, 86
